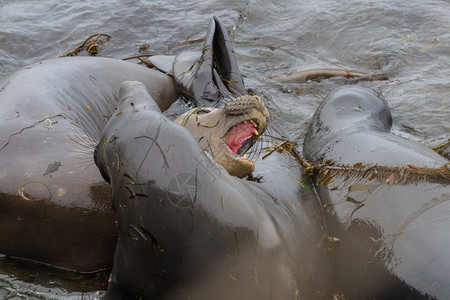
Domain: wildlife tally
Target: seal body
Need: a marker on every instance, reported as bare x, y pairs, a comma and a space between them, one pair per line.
54, 205
189, 229
393, 232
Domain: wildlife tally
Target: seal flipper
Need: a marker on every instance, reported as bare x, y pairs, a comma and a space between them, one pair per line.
213, 75
226, 64
164, 63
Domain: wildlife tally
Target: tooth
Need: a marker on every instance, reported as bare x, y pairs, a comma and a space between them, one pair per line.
255, 132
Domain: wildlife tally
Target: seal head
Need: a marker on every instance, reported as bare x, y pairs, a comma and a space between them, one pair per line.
228, 133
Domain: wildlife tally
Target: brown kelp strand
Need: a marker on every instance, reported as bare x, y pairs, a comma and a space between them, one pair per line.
326, 171
92, 45
142, 60
319, 74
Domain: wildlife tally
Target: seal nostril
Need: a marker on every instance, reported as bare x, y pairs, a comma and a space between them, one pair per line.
97, 163
96, 154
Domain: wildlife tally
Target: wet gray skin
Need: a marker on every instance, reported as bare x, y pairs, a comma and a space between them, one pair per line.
394, 239
189, 229
55, 207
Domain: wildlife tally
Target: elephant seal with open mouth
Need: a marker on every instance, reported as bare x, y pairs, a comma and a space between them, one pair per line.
227, 133
189, 229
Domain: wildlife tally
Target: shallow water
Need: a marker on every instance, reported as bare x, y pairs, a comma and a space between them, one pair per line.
27, 280
407, 40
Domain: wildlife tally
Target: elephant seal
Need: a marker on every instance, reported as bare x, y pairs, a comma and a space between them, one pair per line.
187, 228
54, 205
393, 232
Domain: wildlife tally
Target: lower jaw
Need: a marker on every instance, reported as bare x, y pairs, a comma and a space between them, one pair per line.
241, 167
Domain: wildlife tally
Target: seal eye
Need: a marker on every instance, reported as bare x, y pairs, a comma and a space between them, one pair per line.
202, 111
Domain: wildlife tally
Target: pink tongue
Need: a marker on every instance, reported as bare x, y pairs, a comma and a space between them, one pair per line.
239, 134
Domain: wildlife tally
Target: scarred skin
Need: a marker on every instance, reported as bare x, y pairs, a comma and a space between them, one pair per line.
394, 238
54, 205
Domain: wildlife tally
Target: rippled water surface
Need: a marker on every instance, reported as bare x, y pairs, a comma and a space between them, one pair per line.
407, 40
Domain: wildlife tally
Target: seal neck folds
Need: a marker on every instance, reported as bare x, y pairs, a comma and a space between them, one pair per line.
228, 133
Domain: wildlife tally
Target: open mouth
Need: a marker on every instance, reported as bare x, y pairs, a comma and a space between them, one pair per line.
242, 137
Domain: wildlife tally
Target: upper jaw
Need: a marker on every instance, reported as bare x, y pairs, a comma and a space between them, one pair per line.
253, 128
